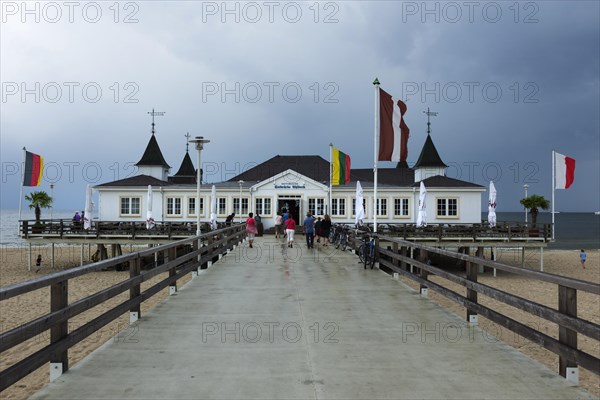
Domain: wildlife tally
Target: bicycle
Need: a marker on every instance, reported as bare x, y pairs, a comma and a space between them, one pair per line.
342, 237
366, 251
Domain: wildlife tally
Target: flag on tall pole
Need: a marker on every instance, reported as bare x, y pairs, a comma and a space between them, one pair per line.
563, 175
393, 131
564, 171
33, 169
340, 172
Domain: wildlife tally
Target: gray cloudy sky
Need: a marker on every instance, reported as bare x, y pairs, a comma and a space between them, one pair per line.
511, 81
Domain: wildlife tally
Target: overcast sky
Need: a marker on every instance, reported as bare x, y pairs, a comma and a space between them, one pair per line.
510, 81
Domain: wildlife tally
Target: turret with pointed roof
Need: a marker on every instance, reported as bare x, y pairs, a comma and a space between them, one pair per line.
186, 172
429, 163
152, 162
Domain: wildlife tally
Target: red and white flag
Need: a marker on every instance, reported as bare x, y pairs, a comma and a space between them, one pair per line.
564, 171
393, 131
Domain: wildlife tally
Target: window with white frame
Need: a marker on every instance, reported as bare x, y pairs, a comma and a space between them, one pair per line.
263, 205
192, 206
338, 207
354, 206
236, 205
447, 207
130, 206
401, 207
173, 206
316, 206
222, 205
381, 207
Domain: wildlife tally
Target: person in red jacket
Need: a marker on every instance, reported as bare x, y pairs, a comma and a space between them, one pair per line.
251, 228
290, 228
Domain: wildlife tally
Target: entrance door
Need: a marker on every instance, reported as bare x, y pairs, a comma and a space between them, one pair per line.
293, 205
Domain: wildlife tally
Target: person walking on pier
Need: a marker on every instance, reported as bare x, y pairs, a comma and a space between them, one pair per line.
251, 229
309, 230
325, 229
290, 228
583, 257
278, 225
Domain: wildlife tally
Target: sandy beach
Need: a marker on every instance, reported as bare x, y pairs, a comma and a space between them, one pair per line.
13, 268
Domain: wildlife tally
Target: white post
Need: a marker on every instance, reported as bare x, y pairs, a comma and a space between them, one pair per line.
525, 186
553, 186
375, 153
21, 191
330, 178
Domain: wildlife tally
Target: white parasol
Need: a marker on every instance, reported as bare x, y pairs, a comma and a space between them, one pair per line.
149, 220
422, 217
360, 209
492, 206
213, 208
89, 206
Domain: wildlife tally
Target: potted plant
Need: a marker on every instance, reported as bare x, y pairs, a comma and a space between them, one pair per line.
37, 201
533, 203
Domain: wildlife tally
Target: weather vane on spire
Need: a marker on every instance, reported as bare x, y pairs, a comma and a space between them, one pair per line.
155, 113
187, 142
429, 114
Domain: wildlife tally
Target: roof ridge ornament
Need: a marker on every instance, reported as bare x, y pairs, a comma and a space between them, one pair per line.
158, 114
429, 114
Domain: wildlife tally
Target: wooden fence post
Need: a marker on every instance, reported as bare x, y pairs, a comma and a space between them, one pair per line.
472, 272
135, 267
567, 304
395, 250
59, 299
172, 270
423, 273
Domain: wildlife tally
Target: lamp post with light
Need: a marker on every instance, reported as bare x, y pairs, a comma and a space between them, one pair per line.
52, 203
199, 141
525, 186
241, 182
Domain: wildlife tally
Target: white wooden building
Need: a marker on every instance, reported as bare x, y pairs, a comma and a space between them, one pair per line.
298, 183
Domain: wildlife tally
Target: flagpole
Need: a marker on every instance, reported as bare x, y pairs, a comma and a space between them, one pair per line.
21, 190
375, 153
553, 187
330, 177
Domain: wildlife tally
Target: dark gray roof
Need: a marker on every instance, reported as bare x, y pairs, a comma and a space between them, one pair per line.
314, 167
186, 173
385, 176
138, 180
444, 181
429, 156
153, 155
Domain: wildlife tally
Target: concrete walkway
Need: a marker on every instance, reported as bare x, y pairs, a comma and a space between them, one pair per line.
312, 324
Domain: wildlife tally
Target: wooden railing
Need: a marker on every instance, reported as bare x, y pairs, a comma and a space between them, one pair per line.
66, 228
180, 258
396, 258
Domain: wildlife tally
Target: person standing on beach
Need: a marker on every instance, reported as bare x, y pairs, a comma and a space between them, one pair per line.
583, 257
38, 263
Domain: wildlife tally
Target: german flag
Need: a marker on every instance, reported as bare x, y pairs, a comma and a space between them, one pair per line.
341, 168
34, 166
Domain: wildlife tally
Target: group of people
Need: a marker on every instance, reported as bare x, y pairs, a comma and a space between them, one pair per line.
313, 228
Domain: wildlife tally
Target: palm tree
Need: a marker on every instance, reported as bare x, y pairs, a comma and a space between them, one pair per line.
39, 200
532, 203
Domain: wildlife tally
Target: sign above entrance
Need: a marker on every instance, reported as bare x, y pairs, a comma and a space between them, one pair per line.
290, 185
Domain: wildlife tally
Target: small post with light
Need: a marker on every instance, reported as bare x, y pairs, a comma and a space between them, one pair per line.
526, 186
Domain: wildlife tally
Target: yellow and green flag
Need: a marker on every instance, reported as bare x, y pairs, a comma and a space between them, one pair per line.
341, 167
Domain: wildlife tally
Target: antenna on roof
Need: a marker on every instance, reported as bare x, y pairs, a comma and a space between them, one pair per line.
155, 113
187, 142
429, 114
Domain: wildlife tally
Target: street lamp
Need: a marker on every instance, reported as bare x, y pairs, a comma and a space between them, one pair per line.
241, 182
52, 197
199, 141
525, 186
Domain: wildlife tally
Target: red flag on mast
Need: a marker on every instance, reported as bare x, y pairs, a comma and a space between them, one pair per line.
393, 131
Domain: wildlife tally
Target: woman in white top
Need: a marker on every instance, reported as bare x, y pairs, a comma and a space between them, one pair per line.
278, 224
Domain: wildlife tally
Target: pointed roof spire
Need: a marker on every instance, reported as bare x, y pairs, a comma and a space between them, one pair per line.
153, 156
187, 167
429, 156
